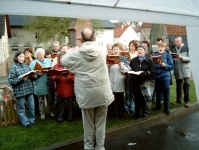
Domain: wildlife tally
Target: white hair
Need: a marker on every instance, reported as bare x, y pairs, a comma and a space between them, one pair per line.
39, 50
109, 45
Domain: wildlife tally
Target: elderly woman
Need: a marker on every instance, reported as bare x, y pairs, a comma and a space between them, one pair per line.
29, 53
129, 105
162, 77
23, 89
41, 83
109, 48
146, 65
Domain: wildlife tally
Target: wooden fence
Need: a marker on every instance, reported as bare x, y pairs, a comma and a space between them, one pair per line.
8, 108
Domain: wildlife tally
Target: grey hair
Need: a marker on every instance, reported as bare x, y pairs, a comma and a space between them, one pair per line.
56, 42
39, 50
179, 37
143, 46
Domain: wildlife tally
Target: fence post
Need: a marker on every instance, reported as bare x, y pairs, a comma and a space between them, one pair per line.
1, 114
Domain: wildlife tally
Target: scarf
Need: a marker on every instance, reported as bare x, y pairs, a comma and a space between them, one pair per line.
142, 58
178, 49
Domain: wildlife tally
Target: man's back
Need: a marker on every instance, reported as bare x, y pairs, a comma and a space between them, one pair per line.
92, 84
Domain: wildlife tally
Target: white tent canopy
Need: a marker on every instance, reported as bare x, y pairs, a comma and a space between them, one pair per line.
182, 12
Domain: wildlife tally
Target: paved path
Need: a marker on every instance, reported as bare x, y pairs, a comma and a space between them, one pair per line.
180, 134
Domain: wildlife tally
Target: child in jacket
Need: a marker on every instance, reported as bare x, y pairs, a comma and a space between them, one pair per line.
64, 89
163, 77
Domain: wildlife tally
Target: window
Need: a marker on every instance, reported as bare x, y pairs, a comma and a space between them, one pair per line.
36, 36
143, 32
14, 48
36, 48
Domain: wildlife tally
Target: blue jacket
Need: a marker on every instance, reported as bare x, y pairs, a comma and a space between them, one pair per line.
41, 83
164, 72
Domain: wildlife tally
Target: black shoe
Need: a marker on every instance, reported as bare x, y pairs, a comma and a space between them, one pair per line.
156, 109
70, 120
60, 120
177, 103
167, 112
145, 115
136, 117
121, 118
33, 123
28, 125
111, 115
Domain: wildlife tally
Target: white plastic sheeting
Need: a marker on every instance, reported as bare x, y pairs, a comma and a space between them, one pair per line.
181, 12
184, 7
148, 12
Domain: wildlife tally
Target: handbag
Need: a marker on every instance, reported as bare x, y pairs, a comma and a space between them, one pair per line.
147, 89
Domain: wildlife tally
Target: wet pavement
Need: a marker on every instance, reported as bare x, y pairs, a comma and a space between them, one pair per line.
179, 134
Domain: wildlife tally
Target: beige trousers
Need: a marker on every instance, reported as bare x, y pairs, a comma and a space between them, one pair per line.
94, 122
43, 103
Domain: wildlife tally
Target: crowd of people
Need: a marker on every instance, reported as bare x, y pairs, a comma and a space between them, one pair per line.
100, 89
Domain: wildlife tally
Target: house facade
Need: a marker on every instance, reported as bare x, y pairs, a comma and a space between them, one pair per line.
170, 32
145, 31
124, 34
22, 38
103, 36
4, 46
106, 35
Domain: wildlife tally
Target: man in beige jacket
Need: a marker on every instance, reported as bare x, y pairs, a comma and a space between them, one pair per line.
92, 87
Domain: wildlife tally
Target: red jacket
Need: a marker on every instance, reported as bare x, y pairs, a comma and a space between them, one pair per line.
64, 84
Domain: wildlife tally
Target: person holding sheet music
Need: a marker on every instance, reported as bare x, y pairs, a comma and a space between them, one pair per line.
28, 53
63, 48
48, 54
145, 64
162, 77
23, 89
64, 90
129, 106
147, 45
117, 82
41, 83
182, 71
109, 48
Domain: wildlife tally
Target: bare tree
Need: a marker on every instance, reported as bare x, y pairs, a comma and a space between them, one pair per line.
156, 32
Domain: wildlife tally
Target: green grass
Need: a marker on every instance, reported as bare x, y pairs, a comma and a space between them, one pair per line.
48, 131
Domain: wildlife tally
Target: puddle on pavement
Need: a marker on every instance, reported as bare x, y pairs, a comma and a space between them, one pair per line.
180, 133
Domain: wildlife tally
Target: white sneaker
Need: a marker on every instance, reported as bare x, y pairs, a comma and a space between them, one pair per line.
52, 114
42, 116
